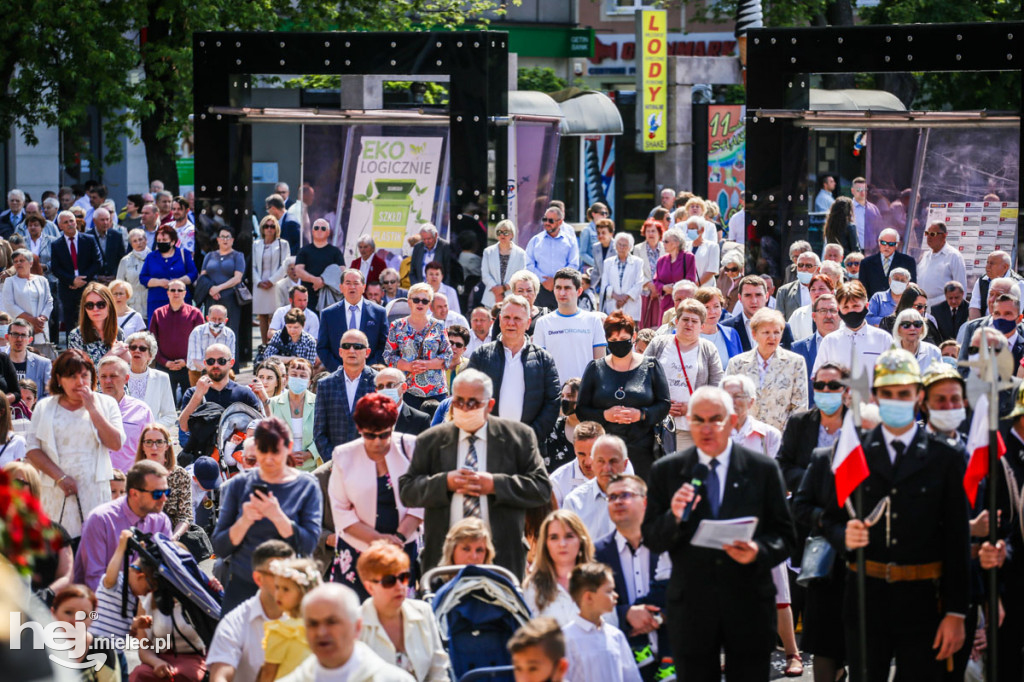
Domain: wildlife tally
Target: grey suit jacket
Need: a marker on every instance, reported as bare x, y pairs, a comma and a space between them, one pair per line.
520, 483
787, 299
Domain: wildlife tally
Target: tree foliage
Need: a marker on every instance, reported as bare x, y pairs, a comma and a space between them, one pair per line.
540, 79
131, 60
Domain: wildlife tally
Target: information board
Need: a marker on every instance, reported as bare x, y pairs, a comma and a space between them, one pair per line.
976, 229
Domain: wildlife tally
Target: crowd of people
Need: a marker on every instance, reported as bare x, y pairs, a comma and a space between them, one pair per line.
579, 412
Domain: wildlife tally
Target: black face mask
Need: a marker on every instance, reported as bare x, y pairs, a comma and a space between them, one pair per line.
568, 407
164, 247
620, 349
854, 319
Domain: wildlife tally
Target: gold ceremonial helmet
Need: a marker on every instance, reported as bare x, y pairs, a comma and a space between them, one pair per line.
1018, 404
940, 371
896, 367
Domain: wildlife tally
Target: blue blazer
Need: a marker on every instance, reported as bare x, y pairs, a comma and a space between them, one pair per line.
332, 418
334, 324
736, 324
607, 552
732, 341
808, 349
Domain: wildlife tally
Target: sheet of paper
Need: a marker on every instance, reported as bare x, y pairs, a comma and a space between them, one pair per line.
713, 534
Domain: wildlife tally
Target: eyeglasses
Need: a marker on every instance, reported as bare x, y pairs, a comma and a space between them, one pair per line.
915, 324
158, 443
224, 236
549, 220
157, 494
381, 435
420, 301
715, 422
15, 335
141, 349
175, 291
827, 311
625, 496
389, 581
352, 346
382, 387
210, 362
457, 344
467, 403
884, 243
321, 228
828, 386
95, 305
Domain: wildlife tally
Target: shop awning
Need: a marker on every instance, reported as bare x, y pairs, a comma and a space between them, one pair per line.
588, 112
854, 100
532, 105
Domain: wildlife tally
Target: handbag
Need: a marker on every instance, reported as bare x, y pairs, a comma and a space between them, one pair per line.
816, 563
77, 540
197, 542
242, 294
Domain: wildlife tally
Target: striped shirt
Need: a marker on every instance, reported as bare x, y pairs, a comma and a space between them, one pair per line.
201, 338
109, 622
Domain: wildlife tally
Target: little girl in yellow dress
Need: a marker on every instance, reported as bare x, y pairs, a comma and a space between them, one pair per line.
284, 640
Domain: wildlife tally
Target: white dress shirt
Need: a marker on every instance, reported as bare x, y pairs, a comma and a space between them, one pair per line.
871, 342
351, 385
565, 479
311, 327
238, 640
801, 323
358, 311
591, 504
598, 654
935, 269
759, 437
475, 342
69, 241
513, 386
905, 438
455, 513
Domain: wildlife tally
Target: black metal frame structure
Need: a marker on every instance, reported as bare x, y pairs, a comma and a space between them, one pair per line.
476, 64
779, 63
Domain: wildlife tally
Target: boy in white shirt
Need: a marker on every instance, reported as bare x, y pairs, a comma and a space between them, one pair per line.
597, 651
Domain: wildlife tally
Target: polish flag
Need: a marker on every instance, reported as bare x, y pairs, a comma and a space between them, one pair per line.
977, 445
849, 464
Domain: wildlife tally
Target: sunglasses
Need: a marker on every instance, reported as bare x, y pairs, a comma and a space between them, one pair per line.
916, 324
828, 385
458, 345
600, 212
920, 308
933, 234
141, 349
157, 494
352, 346
384, 387
388, 282
504, 233
467, 403
95, 305
382, 435
388, 581
625, 496
732, 270
210, 362
321, 228
175, 291
420, 301
881, 243
549, 220
853, 264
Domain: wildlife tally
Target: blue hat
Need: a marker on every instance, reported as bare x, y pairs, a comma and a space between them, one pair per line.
207, 472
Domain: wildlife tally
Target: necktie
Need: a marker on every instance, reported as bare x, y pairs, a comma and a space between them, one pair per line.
899, 447
352, 317
74, 253
471, 504
886, 262
714, 487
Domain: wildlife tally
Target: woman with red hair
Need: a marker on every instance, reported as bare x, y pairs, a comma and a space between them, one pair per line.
363, 489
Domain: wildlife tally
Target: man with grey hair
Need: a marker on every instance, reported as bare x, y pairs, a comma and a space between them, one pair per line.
12, 218
111, 241
75, 260
431, 248
156, 186
608, 458
997, 265
283, 191
551, 250
951, 313
391, 382
369, 264
314, 258
750, 432
476, 465
795, 249
150, 223
876, 268
331, 613
939, 263
735, 607
833, 252
681, 290
796, 294
112, 378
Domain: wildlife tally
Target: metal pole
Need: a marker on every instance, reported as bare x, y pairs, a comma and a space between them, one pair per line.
993, 528
862, 607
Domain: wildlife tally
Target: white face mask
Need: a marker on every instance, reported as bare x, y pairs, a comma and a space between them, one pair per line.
469, 420
946, 420
897, 288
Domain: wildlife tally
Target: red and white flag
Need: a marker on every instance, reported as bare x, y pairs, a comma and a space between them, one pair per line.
977, 446
849, 464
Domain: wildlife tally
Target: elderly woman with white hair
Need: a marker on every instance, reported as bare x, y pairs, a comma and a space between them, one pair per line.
150, 385
729, 277
675, 266
131, 265
500, 262
707, 252
779, 374
909, 332
27, 296
622, 279
129, 320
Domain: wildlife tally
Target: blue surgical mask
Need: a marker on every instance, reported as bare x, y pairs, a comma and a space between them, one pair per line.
804, 277
897, 413
691, 235
949, 361
297, 385
829, 403
1004, 326
853, 275
390, 393
3, 329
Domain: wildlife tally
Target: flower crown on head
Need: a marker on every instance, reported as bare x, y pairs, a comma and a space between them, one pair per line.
306, 578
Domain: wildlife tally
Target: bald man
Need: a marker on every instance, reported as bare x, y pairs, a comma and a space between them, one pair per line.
338, 393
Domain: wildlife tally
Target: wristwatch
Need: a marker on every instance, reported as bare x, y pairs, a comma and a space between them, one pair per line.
401, 537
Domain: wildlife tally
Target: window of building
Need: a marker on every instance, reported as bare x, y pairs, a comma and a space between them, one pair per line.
629, 6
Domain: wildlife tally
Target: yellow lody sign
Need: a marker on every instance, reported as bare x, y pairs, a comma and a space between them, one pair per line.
652, 76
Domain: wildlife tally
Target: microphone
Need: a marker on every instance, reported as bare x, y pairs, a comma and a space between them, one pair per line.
700, 474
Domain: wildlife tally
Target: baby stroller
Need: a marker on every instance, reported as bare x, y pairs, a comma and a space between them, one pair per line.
178, 579
231, 430
477, 611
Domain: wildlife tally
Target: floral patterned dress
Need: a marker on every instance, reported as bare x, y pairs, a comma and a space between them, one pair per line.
429, 343
96, 349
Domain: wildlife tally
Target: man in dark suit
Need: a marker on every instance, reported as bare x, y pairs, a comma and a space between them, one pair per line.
641, 576
734, 606
391, 382
999, 286
875, 269
74, 260
800, 436
795, 294
825, 314
534, 398
753, 297
369, 263
951, 314
430, 249
337, 395
111, 242
477, 465
916, 557
336, 319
